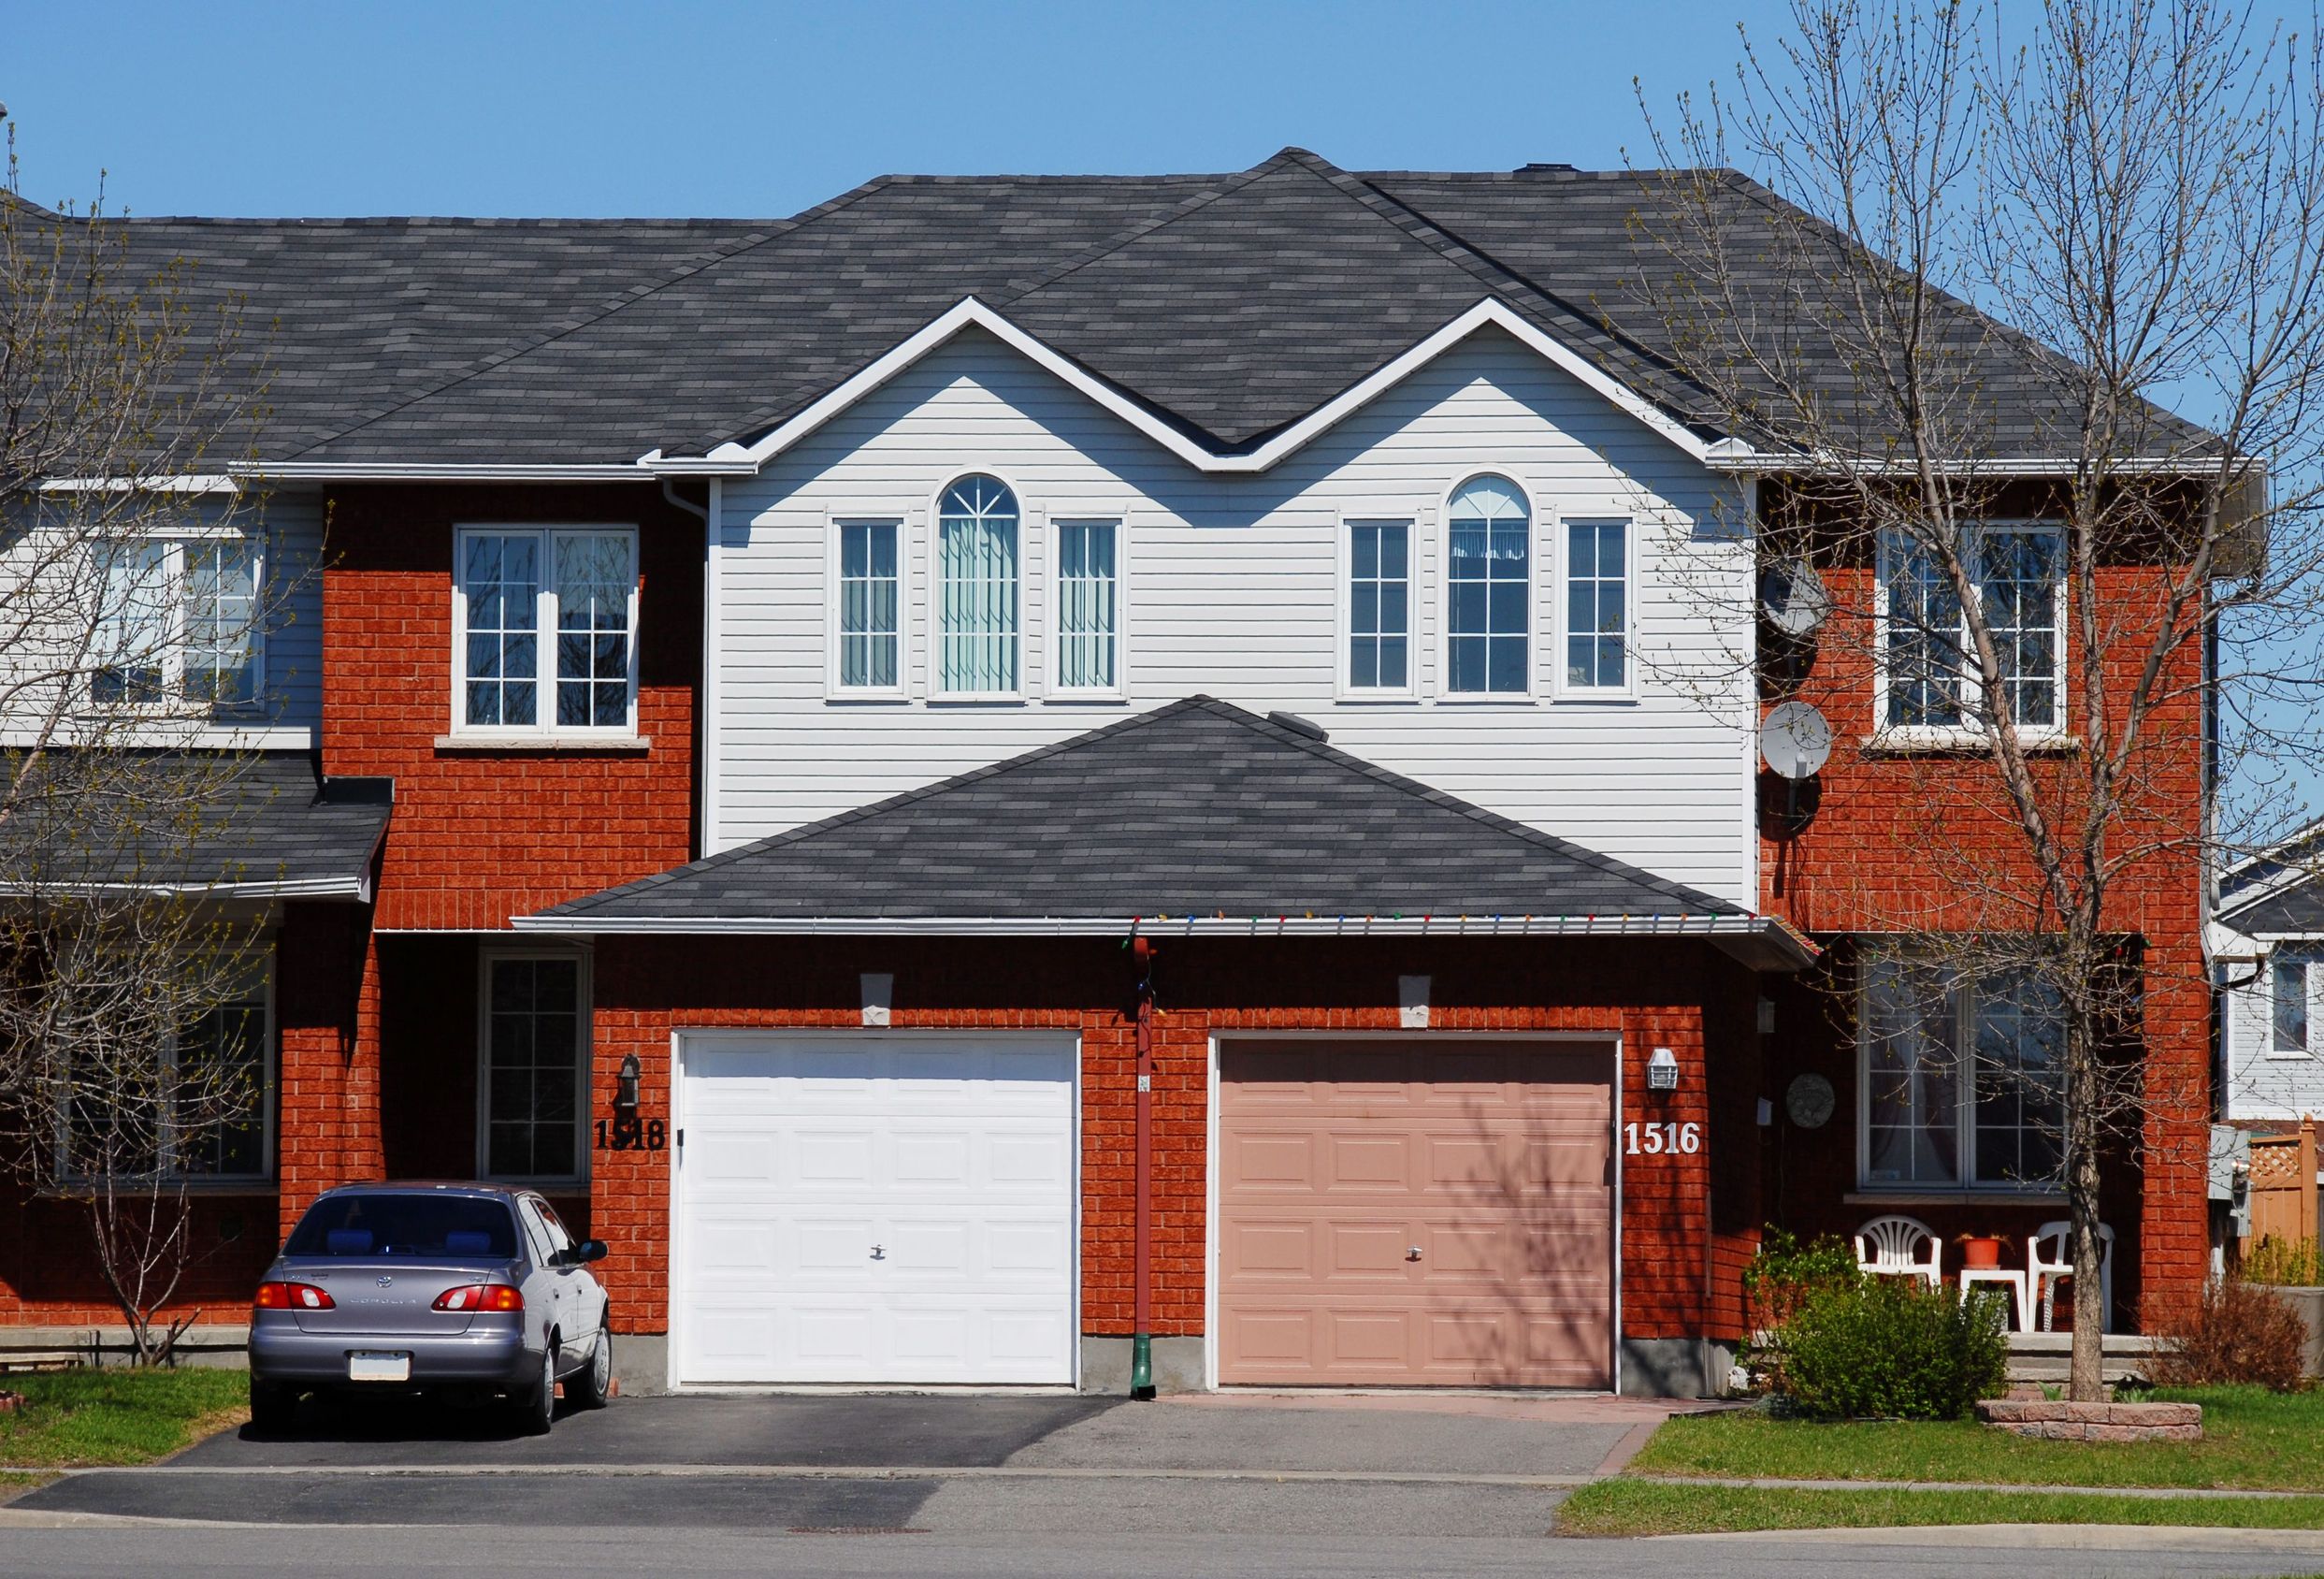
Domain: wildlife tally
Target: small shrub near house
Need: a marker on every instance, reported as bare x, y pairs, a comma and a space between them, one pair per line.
2236, 1333
1785, 1272
1889, 1348
2284, 1263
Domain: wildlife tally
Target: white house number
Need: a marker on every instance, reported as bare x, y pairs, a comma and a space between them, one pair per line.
1654, 1141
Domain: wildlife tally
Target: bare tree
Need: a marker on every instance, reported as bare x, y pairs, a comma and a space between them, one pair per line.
2043, 575
133, 598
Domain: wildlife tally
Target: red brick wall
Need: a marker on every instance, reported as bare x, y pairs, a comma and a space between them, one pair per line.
1926, 841
478, 838
1649, 994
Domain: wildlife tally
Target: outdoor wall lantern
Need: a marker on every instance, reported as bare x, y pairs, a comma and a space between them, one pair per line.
1662, 1070
625, 1087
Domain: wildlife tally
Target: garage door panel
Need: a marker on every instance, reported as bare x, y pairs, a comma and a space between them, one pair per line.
1493, 1157
952, 1157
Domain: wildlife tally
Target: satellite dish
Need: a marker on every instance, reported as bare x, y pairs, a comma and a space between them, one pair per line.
1796, 740
1792, 597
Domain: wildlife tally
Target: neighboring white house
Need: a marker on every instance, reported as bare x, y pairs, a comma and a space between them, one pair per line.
2268, 943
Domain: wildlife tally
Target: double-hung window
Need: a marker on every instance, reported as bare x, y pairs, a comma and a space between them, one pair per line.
534, 1044
977, 593
870, 598
2015, 571
1379, 607
1488, 589
1089, 605
1597, 605
548, 629
2290, 979
186, 1101
179, 623
1962, 1082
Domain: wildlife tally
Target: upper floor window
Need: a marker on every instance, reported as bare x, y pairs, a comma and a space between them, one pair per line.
977, 589
870, 599
1963, 1084
2290, 986
1488, 589
1597, 605
571, 591
1379, 606
2016, 574
179, 623
1089, 605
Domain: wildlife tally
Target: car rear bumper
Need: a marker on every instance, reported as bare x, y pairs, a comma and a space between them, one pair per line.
492, 1356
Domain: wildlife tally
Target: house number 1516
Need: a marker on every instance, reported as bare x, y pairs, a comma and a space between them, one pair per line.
1654, 1139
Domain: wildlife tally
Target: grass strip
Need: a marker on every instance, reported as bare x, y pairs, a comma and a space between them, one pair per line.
1663, 1507
75, 1418
2252, 1439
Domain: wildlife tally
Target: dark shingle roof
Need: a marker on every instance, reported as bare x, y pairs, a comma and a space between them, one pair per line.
2298, 908
1193, 809
266, 821
1231, 305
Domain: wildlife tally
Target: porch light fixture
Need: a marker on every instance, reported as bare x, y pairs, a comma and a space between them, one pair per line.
1662, 1070
625, 1087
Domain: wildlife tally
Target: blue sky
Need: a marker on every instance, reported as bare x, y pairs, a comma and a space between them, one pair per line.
587, 108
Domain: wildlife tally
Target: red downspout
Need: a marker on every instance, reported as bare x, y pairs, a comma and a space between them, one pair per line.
1141, 1341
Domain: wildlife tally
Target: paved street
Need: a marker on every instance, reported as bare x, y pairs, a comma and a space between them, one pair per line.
1226, 1485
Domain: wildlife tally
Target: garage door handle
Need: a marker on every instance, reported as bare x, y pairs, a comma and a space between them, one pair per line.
1412, 1254
878, 1254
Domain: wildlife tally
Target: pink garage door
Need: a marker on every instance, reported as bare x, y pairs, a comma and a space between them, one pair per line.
1438, 1213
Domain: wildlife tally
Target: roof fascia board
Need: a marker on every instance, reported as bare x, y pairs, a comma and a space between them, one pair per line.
196, 482
435, 471
354, 888
970, 313
1758, 929
1730, 456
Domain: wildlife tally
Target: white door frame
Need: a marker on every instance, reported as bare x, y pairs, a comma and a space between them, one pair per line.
675, 1249
1210, 1160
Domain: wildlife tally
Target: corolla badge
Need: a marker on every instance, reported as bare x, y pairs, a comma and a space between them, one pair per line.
384, 1281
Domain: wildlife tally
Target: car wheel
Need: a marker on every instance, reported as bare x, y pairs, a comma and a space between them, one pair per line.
271, 1407
536, 1408
593, 1384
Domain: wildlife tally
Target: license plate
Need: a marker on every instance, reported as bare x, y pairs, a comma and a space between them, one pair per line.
373, 1367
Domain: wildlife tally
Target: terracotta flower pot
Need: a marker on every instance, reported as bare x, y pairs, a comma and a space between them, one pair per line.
1981, 1253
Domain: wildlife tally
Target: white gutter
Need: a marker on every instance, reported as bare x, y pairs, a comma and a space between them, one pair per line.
435, 471
356, 887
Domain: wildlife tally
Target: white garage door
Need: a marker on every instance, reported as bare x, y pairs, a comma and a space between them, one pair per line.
876, 1208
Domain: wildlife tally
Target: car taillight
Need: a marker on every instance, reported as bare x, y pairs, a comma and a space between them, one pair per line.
481, 1297
292, 1296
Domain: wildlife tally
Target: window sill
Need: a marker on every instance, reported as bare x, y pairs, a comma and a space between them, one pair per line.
1970, 743
1597, 699
542, 745
978, 699
1953, 1197
204, 1187
1085, 699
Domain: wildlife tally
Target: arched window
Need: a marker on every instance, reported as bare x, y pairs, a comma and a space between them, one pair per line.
1488, 589
976, 577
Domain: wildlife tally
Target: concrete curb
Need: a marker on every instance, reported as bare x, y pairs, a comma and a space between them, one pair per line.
2190, 1537
2195, 1493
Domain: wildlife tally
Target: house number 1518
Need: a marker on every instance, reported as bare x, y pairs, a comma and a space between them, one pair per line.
1654, 1139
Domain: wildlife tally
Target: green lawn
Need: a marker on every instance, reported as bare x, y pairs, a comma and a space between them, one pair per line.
115, 1416
1651, 1507
2252, 1439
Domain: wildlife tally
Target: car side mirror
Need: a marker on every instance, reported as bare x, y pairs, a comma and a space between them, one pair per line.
588, 1249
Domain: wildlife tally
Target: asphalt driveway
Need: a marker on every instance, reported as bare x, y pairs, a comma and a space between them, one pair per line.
1319, 1465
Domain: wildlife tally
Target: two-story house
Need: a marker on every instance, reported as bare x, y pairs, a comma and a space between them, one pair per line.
1004, 764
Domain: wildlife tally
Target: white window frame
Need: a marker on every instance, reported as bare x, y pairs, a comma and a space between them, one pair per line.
174, 538
544, 725
1967, 732
269, 1075
1561, 622
1966, 1009
1054, 602
835, 688
937, 694
1440, 564
1344, 688
584, 1046
2312, 977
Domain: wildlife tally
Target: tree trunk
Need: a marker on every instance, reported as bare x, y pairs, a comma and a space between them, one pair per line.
2086, 1378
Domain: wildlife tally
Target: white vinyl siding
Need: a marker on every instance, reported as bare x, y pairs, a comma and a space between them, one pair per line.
2265, 1079
1237, 588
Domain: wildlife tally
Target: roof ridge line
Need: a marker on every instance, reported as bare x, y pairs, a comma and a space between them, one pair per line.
606, 308
1018, 290
903, 798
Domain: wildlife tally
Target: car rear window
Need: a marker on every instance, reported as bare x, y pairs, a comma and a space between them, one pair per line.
405, 1225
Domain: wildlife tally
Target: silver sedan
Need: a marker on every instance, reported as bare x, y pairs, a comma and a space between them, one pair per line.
431, 1287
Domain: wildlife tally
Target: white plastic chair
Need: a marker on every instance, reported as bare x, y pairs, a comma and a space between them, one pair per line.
1895, 1247
2048, 1270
